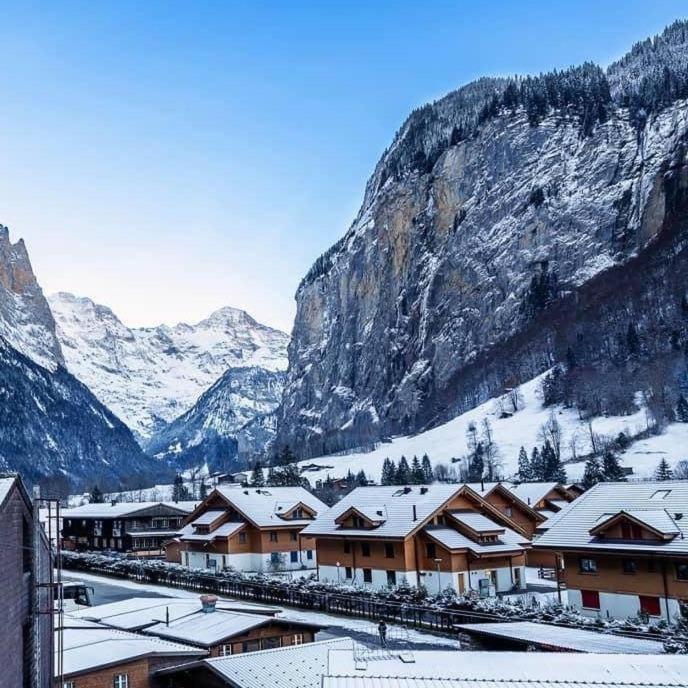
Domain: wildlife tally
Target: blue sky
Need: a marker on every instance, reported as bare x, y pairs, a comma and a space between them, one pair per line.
168, 158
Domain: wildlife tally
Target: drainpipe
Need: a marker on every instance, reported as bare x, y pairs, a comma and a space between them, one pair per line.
353, 560
511, 569
415, 559
468, 563
556, 570
666, 590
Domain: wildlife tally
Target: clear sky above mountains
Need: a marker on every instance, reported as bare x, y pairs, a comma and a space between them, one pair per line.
168, 158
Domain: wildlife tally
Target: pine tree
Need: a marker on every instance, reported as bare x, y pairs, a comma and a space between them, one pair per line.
272, 477
524, 469
632, 340
593, 473
388, 472
180, 492
682, 409
663, 471
552, 468
203, 490
286, 456
258, 476
96, 496
427, 469
361, 478
612, 468
537, 468
350, 478
476, 466
417, 475
402, 475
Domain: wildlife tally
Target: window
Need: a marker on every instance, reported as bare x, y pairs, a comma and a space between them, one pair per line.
682, 572
430, 550
120, 681
293, 535
68, 684
298, 639
629, 565
273, 536
508, 511
309, 554
365, 549
587, 565
660, 494
293, 557
242, 538
347, 548
271, 643
250, 645
649, 605
225, 650
358, 522
590, 599
98, 527
389, 550
367, 576
391, 577
347, 572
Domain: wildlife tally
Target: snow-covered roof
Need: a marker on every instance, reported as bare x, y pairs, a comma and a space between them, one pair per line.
5, 487
263, 506
509, 541
205, 519
511, 667
423, 682
152, 533
296, 666
657, 519
136, 613
397, 503
570, 528
188, 533
122, 509
88, 646
575, 639
532, 493
476, 521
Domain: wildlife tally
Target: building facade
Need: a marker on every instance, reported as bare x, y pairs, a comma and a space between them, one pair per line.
138, 527
624, 551
26, 650
249, 529
438, 536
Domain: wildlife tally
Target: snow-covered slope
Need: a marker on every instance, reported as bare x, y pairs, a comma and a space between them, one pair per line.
149, 376
26, 322
448, 441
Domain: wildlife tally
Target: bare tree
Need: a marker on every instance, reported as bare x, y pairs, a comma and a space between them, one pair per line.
515, 398
493, 462
551, 431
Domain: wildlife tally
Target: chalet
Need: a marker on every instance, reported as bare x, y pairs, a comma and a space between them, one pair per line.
438, 536
25, 571
546, 498
95, 656
138, 527
625, 549
222, 628
249, 529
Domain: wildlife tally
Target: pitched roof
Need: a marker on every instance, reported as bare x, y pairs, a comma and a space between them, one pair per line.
423, 682
206, 518
122, 509
88, 646
532, 493
659, 521
188, 534
396, 503
570, 528
476, 521
263, 506
6, 485
509, 541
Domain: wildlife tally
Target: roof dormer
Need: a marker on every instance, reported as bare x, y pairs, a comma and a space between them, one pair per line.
637, 525
356, 518
295, 512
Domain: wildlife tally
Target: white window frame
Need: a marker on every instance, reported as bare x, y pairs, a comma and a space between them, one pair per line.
120, 681
298, 639
225, 650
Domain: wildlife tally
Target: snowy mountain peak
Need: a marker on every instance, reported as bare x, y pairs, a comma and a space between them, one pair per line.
151, 375
26, 322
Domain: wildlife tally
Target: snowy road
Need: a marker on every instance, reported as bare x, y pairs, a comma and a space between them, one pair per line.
362, 630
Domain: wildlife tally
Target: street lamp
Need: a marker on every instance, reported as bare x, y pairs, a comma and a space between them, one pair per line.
338, 566
438, 561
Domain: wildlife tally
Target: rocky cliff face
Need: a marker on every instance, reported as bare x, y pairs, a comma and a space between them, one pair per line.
26, 322
491, 208
149, 376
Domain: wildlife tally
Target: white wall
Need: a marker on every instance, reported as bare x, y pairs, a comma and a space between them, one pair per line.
620, 606
250, 561
328, 574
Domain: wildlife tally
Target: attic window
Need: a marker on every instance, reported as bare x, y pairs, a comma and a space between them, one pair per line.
660, 494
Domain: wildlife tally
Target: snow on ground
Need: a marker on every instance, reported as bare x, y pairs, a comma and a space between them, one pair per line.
448, 441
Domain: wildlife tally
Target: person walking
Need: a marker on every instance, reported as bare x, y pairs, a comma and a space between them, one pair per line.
382, 630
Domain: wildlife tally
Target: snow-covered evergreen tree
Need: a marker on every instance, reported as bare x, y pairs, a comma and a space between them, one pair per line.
612, 468
593, 473
524, 470
388, 472
258, 476
417, 475
402, 475
427, 469
682, 409
663, 471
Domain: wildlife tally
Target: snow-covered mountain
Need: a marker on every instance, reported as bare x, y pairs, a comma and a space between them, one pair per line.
149, 376
234, 418
52, 429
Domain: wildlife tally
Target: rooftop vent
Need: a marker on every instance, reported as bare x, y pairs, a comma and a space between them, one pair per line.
208, 603
678, 516
423, 490
406, 490
245, 492
379, 512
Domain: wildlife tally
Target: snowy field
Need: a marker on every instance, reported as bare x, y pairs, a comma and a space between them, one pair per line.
448, 441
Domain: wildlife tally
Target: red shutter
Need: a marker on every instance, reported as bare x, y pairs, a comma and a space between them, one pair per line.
649, 605
591, 599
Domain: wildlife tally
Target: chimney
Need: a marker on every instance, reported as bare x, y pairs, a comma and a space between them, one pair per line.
208, 603
415, 515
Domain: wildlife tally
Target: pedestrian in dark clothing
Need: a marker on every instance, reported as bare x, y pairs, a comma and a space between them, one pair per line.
382, 630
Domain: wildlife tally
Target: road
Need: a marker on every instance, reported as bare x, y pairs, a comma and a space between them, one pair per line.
107, 590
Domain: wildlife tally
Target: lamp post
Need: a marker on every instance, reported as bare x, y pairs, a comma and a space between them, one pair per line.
338, 565
438, 561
